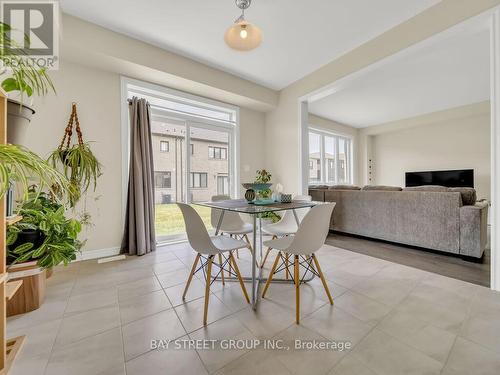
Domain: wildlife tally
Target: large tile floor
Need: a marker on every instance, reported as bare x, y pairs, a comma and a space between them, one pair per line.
101, 318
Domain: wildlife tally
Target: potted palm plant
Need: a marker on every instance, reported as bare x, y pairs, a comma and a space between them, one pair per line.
26, 78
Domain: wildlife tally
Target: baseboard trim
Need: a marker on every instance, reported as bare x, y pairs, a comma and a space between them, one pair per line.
98, 253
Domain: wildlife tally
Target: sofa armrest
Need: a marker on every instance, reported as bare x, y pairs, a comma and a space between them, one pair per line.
473, 229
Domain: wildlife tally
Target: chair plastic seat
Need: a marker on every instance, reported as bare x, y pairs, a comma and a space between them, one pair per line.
244, 228
223, 243
282, 243
279, 229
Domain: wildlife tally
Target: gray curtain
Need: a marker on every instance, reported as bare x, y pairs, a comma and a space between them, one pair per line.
139, 233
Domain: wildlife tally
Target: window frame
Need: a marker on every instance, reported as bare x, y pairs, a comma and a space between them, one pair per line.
169, 173
162, 142
214, 150
199, 174
325, 163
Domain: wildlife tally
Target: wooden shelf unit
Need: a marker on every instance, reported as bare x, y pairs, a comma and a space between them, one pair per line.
8, 348
11, 287
11, 220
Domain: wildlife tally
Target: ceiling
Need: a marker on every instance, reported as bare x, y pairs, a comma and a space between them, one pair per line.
448, 73
298, 36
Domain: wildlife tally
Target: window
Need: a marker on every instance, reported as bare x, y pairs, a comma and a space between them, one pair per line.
192, 149
164, 146
163, 180
222, 185
219, 153
198, 179
330, 159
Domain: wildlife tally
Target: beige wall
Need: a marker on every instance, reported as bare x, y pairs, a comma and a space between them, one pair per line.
284, 121
97, 94
436, 144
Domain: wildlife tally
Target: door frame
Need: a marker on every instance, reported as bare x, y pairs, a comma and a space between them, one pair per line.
190, 120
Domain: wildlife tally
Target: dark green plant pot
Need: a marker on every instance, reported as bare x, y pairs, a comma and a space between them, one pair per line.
36, 237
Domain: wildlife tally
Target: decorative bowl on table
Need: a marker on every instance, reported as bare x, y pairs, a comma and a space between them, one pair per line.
252, 188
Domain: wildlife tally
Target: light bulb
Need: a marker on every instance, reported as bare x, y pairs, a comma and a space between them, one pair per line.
243, 34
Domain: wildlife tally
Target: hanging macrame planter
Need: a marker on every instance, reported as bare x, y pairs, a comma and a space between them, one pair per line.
76, 159
65, 146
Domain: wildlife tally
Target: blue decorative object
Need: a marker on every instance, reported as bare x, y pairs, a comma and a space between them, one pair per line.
263, 201
252, 188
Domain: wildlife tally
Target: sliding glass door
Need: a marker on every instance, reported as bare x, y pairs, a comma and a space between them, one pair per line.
192, 163
194, 153
210, 156
170, 167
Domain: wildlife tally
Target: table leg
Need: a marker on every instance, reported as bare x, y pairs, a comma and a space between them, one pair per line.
296, 218
219, 223
254, 259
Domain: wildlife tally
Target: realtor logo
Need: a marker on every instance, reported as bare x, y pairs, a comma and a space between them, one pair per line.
33, 30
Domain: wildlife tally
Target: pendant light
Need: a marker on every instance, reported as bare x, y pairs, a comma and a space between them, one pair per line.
243, 36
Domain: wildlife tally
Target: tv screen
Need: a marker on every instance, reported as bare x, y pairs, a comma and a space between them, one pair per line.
453, 178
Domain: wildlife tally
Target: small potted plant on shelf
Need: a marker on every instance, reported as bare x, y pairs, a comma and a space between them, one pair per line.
26, 78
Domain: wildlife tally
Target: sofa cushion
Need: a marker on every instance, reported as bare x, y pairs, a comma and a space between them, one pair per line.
427, 188
382, 188
344, 187
317, 187
468, 195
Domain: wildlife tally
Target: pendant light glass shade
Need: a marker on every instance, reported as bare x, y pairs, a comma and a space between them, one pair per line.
243, 36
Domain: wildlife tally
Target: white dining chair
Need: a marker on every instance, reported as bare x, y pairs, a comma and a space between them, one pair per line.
207, 248
287, 225
232, 223
308, 239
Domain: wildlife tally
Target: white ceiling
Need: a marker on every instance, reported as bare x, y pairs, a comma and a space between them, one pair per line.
298, 36
451, 72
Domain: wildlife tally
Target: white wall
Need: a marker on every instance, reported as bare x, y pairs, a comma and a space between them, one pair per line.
97, 94
454, 143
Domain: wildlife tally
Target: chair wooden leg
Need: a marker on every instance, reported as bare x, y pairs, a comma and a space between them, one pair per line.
270, 277
297, 289
195, 263
322, 277
237, 270
265, 257
248, 242
267, 253
221, 270
207, 288
286, 267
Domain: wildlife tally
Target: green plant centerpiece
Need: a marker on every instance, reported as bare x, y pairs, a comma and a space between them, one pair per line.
76, 161
45, 234
264, 177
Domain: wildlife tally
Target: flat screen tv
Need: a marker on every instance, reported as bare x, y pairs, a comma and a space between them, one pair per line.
453, 178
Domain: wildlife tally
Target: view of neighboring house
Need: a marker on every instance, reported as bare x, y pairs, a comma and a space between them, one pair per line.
209, 160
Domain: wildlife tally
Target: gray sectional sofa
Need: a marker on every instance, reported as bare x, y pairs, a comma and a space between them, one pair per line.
432, 217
